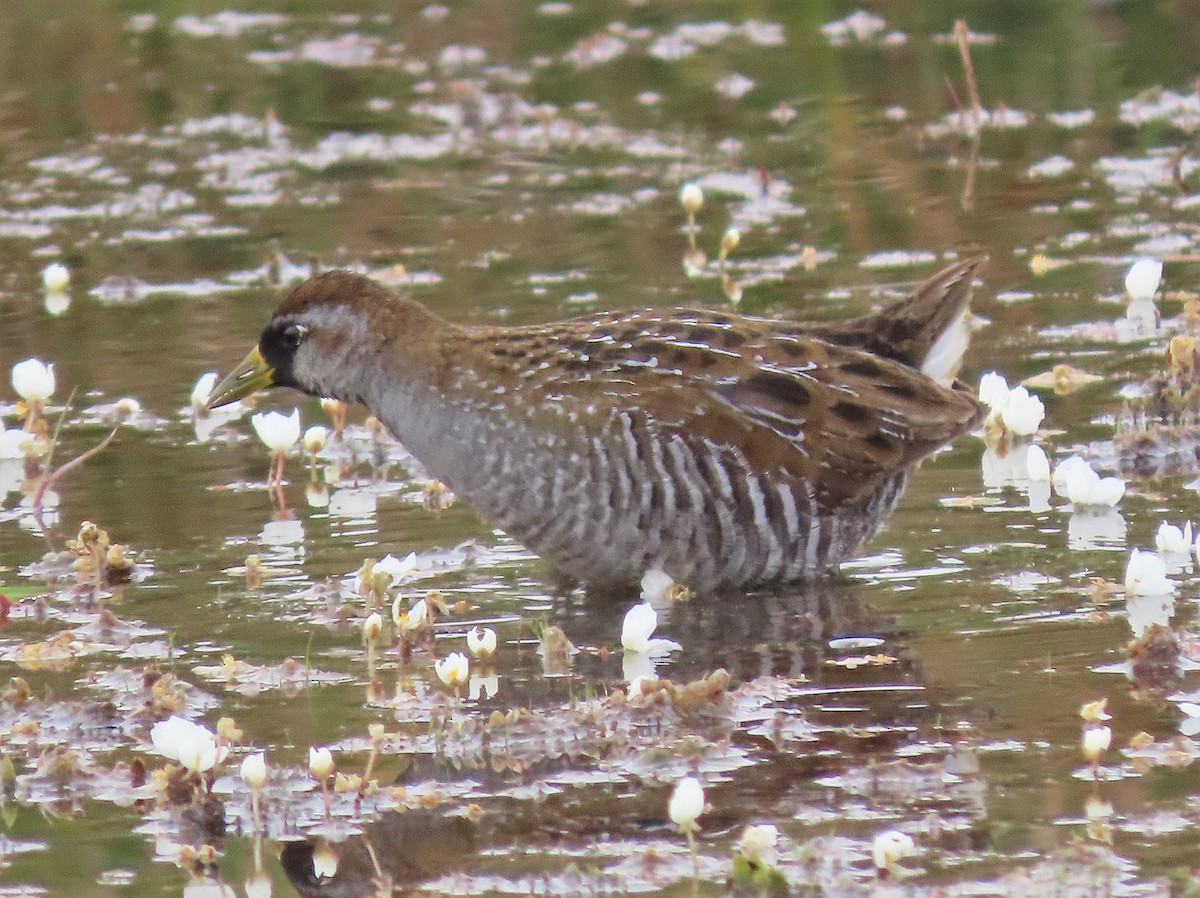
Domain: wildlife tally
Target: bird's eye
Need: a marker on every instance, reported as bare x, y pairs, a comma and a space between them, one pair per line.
293, 335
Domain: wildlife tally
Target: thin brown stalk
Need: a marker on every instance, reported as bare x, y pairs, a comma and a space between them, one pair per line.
964, 50
51, 478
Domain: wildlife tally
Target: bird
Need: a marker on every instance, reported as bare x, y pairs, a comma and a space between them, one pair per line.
729, 452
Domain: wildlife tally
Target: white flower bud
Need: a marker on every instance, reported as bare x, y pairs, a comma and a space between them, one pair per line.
254, 770
686, 804
320, 763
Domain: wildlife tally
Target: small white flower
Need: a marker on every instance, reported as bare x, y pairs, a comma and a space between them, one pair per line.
278, 432
1022, 412
55, 277
127, 408
1075, 479
758, 843
1146, 575
1037, 465
453, 670
1143, 278
889, 847
412, 619
192, 745
1096, 740
657, 585
730, 240
320, 763
691, 197
203, 390
481, 643
254, 770
314, 439
1171, 540
372, 626
1063, 471
686, 804
33, 380
993, 390
398, 569
640, 623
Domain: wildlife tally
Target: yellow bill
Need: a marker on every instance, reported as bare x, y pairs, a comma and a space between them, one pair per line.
252, 375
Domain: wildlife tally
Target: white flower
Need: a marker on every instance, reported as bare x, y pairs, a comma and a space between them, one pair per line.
314, 439
691, 197
1190, 725
1022, 412
1146, 575
33, 380
372, 626
993, 390
1171, 540
396, 568
203, 390
1096, 740
657, 585
413, 619
1075, 479
55, 277
1063, 470
1037, 465
481, 643
127, 408
1142, 279
889, 847
686, 804
453, 670
320, 763
192, 745
279, 432
639, 625
730, 240
758, 844
254, 770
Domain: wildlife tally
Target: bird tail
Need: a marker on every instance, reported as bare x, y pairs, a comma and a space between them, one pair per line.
929, 330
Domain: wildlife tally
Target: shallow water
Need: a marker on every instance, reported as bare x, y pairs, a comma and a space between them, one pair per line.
517, 163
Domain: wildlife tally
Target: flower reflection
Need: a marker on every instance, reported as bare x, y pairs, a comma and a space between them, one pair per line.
282, 533
56, 303
1011, 467
1144, 611
1096, 528
483, 687
635, 665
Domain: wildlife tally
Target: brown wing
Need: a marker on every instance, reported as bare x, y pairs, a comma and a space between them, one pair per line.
838, 419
